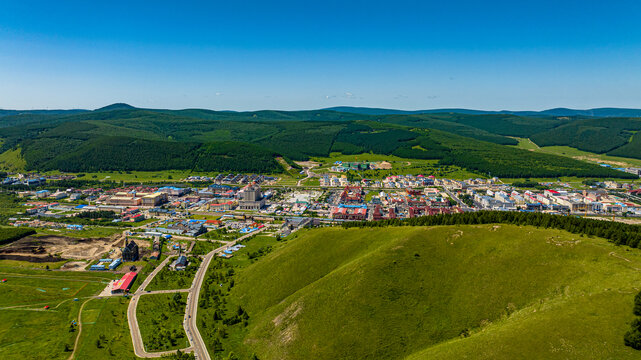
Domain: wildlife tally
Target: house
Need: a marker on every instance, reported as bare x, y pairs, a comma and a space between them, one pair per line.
180, 263
130, 251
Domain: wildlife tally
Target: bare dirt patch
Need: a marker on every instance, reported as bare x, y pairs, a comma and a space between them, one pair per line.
596, 159
55, 248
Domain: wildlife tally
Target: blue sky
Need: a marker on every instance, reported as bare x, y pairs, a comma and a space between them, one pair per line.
247, 55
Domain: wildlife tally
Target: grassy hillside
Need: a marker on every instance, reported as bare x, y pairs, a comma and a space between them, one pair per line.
489, 291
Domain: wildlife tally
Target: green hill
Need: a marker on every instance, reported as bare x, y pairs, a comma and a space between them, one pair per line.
120, 137
450, 292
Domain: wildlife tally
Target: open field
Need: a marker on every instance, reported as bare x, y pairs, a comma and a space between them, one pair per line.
577, 154
11, 160
490, 291
28, 330
105, 331
160, 318
204, 247
168, 279
400, 166
87, 232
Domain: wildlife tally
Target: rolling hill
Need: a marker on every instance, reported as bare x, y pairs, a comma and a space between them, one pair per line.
469, 291
156, 139
596, 112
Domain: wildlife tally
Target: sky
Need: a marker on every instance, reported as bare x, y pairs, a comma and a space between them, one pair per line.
292, 55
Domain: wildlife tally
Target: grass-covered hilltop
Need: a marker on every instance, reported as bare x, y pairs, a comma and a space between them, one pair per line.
492, 291
123, 138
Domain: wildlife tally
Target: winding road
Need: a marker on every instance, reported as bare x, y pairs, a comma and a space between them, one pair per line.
196, 341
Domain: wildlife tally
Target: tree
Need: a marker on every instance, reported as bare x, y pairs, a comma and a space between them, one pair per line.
637, 305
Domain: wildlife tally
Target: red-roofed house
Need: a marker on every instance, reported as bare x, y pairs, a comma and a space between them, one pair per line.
124, 284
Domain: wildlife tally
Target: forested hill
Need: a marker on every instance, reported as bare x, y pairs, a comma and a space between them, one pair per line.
597, 112
121, 137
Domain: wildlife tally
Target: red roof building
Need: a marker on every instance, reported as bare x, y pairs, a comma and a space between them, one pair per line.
352, 194
343, 213
124, 284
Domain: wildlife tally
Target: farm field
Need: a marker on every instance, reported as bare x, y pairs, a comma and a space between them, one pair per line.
384, 288
160, 317
28, 330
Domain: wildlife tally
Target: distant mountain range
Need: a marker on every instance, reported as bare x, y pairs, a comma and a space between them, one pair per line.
596, 112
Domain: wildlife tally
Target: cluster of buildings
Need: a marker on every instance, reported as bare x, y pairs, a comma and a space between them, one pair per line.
561, 200
351, 205
186, 227
340, 166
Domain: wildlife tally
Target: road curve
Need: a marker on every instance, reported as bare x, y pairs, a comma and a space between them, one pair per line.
190, 320
136, 337
196, 341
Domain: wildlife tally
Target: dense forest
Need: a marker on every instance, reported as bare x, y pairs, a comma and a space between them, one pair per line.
124, 138
616, 232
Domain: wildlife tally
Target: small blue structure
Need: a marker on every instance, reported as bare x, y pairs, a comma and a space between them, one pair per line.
114, 264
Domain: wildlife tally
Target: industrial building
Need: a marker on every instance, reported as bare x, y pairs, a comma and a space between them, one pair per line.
124, 284
154, 199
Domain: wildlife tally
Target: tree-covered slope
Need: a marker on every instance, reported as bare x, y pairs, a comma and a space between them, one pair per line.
120, 137
594, 135
485, 291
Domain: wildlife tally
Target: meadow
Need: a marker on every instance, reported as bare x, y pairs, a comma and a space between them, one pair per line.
105, 331
30, 331
168, 279
574, 153
469, 291
160, 317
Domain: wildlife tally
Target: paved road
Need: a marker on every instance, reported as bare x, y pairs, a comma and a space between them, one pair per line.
136, 337
189, 323
460, 202
190, 320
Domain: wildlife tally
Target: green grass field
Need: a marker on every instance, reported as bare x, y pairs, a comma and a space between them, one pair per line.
451, 292
27, 330
204, 247
167, 279
160, 319
11, 160
400, 166
105, 333
88, 232
567, 151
